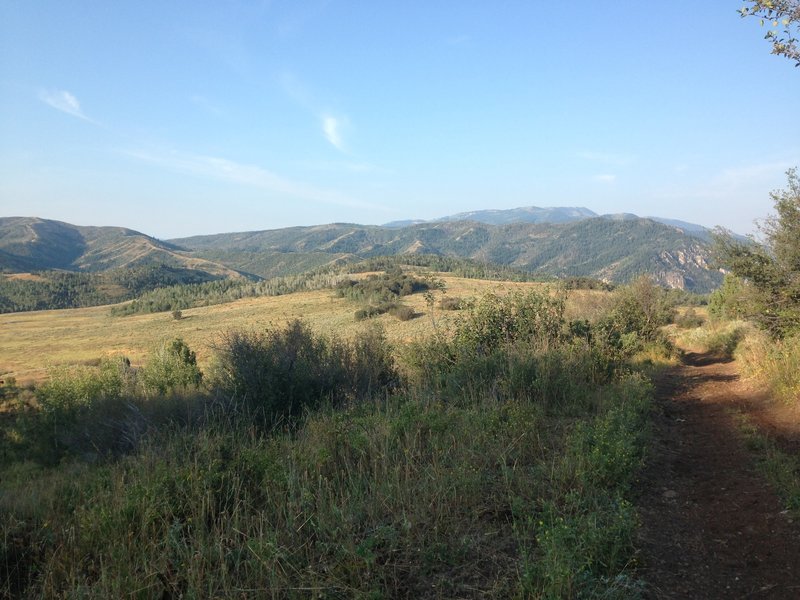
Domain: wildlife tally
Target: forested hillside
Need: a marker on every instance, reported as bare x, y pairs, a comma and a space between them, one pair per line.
611, 249
47, 290
33, 244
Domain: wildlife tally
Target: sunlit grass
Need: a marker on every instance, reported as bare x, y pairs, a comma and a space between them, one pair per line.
33, 341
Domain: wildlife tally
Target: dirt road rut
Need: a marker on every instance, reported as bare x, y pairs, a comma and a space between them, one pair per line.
711, 525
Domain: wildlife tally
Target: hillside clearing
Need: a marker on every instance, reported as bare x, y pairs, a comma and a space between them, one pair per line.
33, 341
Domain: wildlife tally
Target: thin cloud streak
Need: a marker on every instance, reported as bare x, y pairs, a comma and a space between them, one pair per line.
332, 126
249, 175
605, 178
65, 102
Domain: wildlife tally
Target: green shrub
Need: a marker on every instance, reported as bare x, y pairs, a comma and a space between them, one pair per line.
283, 372
173, 366
516, 346
84, 410
382, 288
689, 319
730, 301
641, 308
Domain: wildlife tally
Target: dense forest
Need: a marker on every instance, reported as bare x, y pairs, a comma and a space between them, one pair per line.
47, 290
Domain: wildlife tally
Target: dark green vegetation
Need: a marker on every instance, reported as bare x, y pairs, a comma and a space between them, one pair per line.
768, 288
593, 249
601, 248
495, 459
32, 244
64, 289
179, 297
382, 293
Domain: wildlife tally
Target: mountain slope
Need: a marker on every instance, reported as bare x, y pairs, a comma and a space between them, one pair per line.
615, 250
33, 244
552, 214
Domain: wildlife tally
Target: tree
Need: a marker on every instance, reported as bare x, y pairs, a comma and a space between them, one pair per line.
780, 13
772, 268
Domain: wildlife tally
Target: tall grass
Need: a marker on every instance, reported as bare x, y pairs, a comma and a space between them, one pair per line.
501, 473
775, 363
720, 338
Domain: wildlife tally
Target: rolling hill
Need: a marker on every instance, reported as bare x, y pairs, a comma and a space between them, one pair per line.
550, 214
34, 244
612, 249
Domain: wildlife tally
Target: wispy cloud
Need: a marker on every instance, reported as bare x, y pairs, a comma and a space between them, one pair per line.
605, 178
248, 175
332, 128
65, 102
608, 158
344, 166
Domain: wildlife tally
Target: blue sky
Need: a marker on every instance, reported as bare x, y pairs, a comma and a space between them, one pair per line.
180, 118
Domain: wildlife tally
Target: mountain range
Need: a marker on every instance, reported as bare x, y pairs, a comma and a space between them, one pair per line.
549, 242
550, 214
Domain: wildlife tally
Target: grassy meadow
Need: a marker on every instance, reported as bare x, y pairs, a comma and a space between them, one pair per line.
32, 342
483, 452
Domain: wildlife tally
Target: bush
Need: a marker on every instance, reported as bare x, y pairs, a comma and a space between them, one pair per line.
641, 308
494, 321
452, 303
382, 288
283, 372
730, 301
402, 312
173, 366
83, 410
511, 347
689, 319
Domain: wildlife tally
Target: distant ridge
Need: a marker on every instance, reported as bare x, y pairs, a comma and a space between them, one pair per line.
551, 214
34, 244
616, 248
612, 249
525, 214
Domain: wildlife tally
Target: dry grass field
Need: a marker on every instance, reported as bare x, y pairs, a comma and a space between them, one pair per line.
31, 342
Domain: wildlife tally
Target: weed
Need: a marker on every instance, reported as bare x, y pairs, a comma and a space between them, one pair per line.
781, 469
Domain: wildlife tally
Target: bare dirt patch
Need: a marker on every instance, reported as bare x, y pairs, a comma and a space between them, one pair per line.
711, 525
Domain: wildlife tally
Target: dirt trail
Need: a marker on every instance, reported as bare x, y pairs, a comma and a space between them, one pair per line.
711, 525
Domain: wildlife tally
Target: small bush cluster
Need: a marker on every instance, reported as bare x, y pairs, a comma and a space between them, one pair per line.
396, 309
452, 303
382, 288
173, 366
586, 283
283, 372
515, 346
105, 408
689, 319
383, 292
